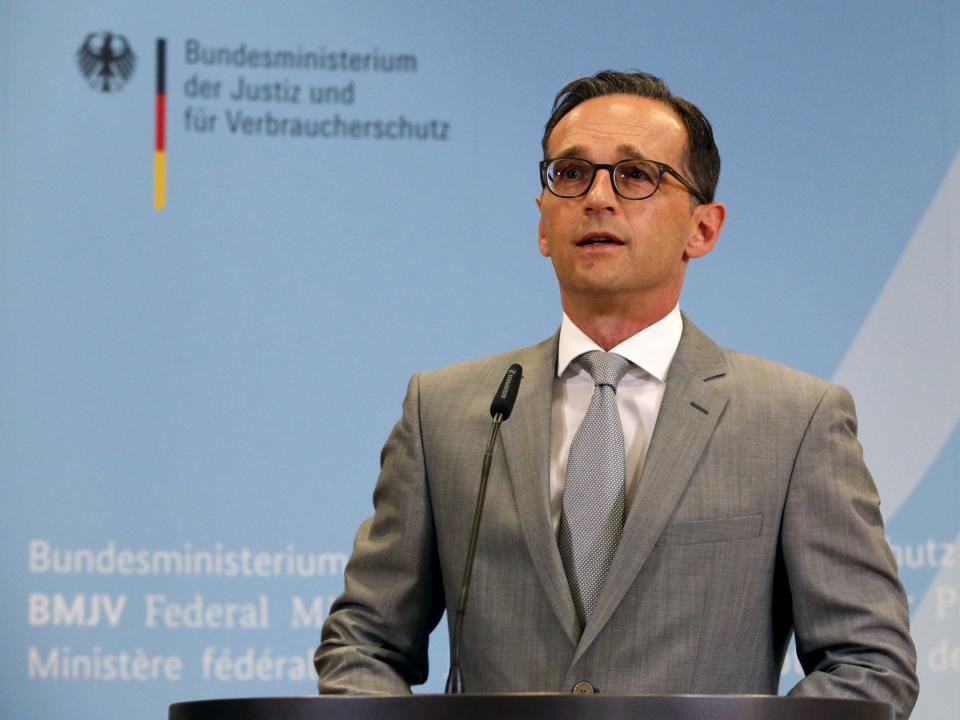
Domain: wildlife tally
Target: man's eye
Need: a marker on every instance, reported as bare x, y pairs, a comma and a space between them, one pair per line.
568, 171
635, 172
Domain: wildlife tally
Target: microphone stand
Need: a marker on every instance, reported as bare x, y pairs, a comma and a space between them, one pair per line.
454, 678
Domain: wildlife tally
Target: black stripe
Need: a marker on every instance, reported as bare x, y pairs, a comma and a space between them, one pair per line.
161, 66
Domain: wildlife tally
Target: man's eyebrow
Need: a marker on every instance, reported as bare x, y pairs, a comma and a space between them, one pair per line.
631, 151
574, 151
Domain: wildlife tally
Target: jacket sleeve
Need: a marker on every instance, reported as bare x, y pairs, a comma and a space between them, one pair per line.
850, 611
375, 638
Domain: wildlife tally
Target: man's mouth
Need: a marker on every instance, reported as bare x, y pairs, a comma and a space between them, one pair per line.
599, 239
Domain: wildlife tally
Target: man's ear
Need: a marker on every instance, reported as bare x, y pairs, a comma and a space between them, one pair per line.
705, 229
541, 239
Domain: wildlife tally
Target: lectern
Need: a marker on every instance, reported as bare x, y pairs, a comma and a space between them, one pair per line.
533, 706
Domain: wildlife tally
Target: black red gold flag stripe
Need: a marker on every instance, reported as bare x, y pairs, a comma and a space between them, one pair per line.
160, 146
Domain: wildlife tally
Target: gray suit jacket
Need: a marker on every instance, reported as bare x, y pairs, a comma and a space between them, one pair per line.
753, 516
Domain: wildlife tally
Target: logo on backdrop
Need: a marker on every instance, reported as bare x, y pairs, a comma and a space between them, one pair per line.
106, 60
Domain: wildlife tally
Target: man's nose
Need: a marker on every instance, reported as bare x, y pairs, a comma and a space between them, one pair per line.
601, 195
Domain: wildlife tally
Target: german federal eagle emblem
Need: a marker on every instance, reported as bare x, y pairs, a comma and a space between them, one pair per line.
106, 60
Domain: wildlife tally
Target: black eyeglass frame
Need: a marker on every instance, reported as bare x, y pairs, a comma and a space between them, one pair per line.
662, 167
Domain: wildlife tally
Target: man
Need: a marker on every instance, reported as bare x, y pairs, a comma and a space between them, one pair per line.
661, 513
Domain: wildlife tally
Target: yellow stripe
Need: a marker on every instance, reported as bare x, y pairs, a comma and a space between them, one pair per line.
159, 179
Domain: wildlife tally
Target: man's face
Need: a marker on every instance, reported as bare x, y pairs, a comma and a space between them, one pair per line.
604, 247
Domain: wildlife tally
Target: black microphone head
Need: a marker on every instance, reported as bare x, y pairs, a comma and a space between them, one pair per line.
507, 394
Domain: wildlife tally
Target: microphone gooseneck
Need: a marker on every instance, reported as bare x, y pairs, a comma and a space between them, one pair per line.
500, 410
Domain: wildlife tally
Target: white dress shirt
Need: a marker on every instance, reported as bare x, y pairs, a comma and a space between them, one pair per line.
638, 396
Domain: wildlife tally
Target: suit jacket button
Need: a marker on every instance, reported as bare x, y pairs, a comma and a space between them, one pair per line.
583, 688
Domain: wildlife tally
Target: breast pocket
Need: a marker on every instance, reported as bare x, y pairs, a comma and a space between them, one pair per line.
692, 532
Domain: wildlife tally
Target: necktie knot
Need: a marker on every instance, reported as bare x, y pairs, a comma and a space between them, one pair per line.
605, 368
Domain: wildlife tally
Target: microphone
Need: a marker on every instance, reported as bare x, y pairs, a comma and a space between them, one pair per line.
506, 396
500, 410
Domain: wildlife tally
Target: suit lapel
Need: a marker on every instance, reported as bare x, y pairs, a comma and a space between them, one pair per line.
526, 446
688, 415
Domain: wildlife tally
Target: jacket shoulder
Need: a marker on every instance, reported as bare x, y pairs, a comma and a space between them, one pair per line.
763, 382
474, 376
744, 374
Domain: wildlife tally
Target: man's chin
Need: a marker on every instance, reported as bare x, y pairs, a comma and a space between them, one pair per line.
588, 290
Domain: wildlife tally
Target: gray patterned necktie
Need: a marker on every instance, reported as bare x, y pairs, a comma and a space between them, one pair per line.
592, 520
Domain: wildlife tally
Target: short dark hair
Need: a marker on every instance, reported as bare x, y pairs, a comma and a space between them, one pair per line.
703, 158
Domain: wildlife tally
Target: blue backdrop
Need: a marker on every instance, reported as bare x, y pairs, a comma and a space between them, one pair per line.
193, 399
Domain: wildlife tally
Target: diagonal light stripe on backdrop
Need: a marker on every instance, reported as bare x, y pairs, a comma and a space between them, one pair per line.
902, 367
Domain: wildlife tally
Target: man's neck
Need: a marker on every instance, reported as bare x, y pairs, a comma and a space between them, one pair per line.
609, 324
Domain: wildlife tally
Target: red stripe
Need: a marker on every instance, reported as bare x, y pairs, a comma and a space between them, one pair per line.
161, 122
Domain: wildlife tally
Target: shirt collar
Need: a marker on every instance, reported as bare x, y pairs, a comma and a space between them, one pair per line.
652, 348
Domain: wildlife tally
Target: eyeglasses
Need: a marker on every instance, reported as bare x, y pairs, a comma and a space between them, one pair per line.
632, 179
